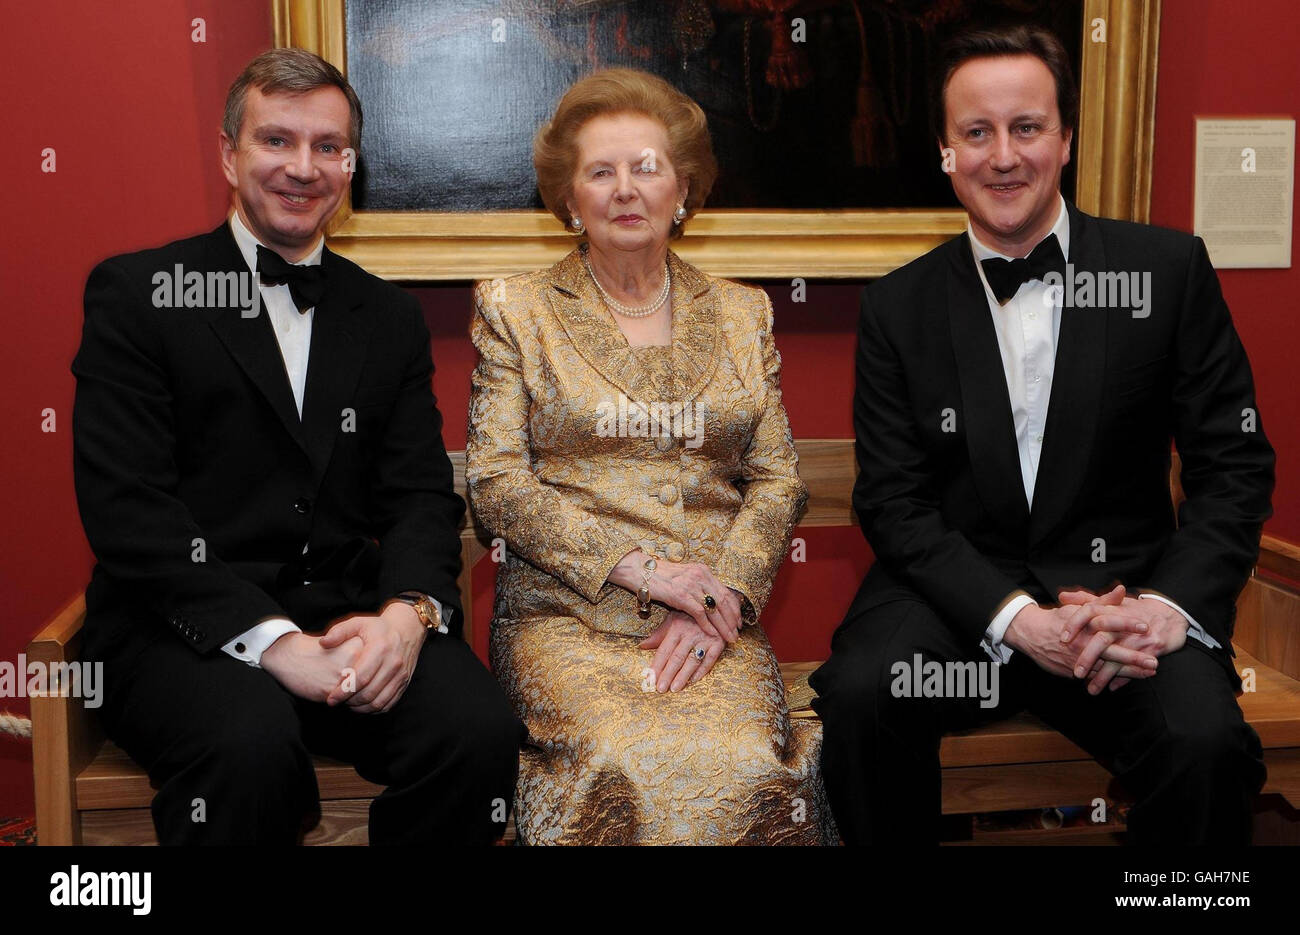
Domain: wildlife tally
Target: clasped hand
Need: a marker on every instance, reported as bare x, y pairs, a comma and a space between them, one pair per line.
675, 641
683, 587
365, 660
1108, 639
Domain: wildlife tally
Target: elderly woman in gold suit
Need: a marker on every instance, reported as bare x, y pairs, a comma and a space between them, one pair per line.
627, 441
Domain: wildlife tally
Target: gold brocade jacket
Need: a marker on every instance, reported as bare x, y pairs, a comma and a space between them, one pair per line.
579, 450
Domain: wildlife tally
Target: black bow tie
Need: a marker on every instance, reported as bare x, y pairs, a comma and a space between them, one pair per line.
306, 283
1007, 276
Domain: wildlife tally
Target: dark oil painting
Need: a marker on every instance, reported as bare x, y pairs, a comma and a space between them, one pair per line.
812, 104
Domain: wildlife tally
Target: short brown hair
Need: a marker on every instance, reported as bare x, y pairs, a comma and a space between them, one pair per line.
989, 43
288, 71
624, 91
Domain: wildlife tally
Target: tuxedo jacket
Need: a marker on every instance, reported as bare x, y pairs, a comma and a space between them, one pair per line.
208, 502
939, 491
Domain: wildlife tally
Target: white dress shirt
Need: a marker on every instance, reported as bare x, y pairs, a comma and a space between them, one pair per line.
1027, 327
293, 334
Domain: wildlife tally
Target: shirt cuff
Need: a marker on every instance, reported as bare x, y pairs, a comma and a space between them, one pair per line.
443, 614
249, 645
992, 642
1194, 629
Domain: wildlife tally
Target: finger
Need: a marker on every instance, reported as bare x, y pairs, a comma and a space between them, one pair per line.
1118, 623
348, 655
673, 666
1083, 615
730, 615
664, 653
338, 694
1103, 677
374, 667
1135, 672
655, 638
341, 632
701, 617
1137, 658
1079, 596
1118, 683
403, 685
1126, 671
367, 665
727, 628
1111, 670
711, 654
683, 676
1114, 596
1079, 619
372, 689
688, 590
388, 697
1091, 653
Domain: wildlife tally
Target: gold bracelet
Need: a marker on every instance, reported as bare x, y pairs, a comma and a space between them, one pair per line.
643, 592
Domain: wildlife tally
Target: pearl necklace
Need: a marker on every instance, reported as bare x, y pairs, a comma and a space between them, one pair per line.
627, 310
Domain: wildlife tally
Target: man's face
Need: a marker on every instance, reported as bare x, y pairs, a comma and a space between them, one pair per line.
288, 170
1004, 126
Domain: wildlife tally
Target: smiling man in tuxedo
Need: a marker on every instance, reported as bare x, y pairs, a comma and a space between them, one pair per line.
1014, 461
265, 488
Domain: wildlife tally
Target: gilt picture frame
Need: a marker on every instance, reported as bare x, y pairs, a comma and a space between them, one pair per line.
1112, 170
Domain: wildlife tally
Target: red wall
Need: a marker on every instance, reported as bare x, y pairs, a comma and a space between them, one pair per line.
1218, 59
132, 106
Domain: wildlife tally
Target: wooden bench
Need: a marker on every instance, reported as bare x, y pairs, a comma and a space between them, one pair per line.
88, 791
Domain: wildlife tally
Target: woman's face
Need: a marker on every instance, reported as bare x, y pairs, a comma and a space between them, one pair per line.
624, 187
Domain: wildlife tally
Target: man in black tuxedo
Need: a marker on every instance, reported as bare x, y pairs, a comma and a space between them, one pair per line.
1013, 439
254, 464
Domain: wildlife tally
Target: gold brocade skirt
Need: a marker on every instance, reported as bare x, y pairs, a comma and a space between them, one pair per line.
720, 762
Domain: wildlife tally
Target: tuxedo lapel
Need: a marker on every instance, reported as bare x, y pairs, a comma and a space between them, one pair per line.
338, 339
251, 341
1072, 414
986, 407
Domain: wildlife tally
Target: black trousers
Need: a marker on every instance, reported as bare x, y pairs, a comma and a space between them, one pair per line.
1176, 741
229, 749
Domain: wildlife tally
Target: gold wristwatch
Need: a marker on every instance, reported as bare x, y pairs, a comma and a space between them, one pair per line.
425, 609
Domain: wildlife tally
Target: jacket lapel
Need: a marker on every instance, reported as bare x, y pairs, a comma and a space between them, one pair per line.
990, 430
592, 330
1072, 414
338, 338
251, 341
695, 328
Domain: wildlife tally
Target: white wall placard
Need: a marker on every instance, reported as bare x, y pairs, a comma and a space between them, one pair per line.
1245, 167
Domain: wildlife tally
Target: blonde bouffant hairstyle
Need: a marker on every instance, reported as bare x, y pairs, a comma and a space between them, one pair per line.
624, 91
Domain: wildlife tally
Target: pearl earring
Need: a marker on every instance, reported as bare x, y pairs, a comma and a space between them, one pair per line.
680, 214
578, 226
